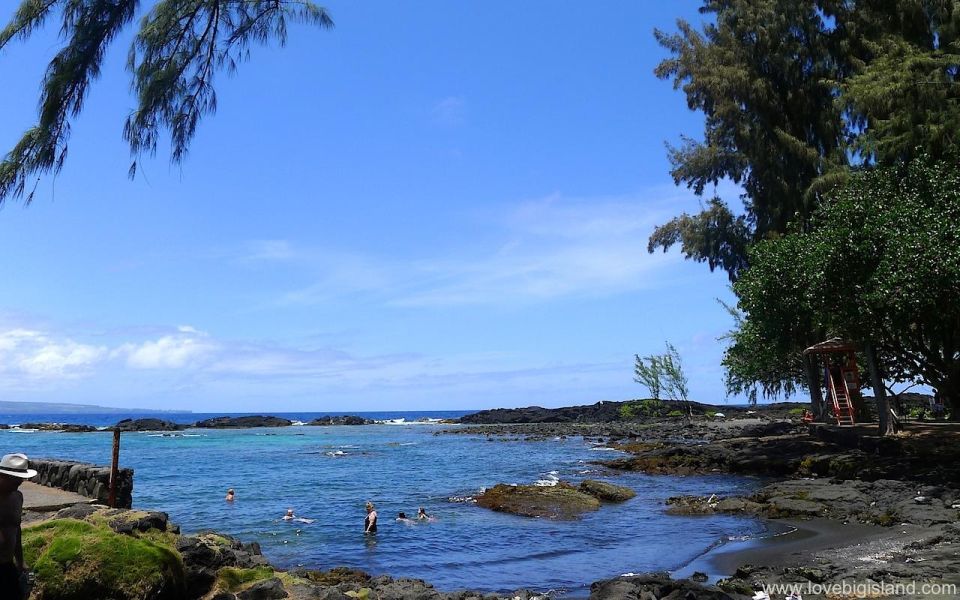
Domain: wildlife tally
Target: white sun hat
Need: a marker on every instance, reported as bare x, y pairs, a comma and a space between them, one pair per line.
15, 465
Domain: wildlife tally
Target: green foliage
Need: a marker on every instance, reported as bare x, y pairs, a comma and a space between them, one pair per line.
180, 46
796, 412
908, 97
648, 372
882, 264
76, 560
644, 408
790, 91
675, 380
231, 579
675, 413
761, 75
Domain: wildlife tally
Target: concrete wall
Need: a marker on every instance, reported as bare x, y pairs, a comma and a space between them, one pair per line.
85, 479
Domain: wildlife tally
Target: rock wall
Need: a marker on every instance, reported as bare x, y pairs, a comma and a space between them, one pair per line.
88, 480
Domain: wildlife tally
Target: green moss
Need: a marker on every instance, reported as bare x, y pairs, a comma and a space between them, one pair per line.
675, 413
886, 519
231, 579
561, 501
607, 492
796, 412
80, 560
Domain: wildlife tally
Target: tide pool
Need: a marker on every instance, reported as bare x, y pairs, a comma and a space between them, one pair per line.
328, 473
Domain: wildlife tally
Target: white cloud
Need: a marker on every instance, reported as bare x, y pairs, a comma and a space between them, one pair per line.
538, 251
187, 349
38, 355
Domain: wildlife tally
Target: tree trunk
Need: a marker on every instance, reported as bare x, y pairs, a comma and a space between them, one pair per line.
888, 422
814, 385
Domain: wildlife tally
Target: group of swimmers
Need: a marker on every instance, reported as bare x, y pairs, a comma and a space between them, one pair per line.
421, 516
369, 523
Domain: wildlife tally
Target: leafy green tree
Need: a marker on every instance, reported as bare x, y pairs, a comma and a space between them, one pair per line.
791, 90
179, 48
881, 266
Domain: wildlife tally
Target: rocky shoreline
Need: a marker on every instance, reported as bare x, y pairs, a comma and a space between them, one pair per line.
897, 499
862, 509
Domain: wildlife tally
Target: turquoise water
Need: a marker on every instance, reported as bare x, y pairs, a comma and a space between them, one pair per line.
328, 473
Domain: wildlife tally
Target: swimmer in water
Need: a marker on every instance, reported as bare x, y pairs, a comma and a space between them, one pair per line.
370, 522
422, 515
289, 516
402, 517
229, 497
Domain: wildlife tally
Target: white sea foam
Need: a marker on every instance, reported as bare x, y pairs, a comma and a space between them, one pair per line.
297, 423
550, 480
402, 421
604, 448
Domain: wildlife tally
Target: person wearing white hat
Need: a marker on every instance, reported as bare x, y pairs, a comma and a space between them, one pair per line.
14, 470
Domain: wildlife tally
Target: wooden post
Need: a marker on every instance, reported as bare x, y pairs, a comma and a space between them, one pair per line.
114, 469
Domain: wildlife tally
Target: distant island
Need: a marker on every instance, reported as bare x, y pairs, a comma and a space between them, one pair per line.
34, 408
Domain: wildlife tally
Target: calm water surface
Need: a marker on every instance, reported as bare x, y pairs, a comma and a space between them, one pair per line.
328, 473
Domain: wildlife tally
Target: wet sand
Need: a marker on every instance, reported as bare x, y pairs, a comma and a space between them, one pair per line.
790, 543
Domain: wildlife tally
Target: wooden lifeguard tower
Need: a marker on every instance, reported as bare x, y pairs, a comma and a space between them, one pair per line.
841, 377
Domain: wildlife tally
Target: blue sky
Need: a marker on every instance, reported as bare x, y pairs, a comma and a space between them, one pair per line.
433, 205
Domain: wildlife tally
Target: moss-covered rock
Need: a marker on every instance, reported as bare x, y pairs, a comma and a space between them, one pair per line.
233, 579
79, 560
607, 492
561, 501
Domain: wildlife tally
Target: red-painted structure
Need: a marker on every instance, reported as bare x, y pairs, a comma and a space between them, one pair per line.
841, 377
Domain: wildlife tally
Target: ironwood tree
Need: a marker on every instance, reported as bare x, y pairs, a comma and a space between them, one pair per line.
793, 93
178, 49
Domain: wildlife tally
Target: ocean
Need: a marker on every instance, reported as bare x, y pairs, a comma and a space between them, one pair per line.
327, 474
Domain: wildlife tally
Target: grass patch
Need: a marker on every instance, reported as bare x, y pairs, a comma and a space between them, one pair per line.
231, 579
77, 560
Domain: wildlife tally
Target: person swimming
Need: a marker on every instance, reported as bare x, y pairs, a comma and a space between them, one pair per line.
229, 497
422, 514
289, 516
370, 522
402, 517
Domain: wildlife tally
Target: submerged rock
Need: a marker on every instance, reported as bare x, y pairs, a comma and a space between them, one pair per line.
561, 501
607, 492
